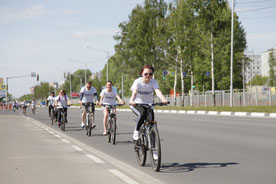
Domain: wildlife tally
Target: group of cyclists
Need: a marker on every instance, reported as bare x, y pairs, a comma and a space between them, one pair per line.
143, 90
23, 105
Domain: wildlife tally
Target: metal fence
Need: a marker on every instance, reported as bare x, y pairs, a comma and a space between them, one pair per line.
255, 97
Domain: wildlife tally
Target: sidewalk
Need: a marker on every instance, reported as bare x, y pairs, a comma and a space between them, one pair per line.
31, 153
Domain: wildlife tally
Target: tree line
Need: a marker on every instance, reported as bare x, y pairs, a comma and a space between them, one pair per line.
188, 38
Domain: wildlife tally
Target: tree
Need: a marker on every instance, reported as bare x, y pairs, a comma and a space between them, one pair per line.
272, 67
259, 80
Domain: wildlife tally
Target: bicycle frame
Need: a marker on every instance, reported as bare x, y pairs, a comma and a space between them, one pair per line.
89, 117
149, 133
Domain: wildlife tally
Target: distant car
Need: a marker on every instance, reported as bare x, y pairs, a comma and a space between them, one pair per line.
42, 104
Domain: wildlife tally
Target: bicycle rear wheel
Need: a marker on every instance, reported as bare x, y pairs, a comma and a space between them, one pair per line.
62, 122
140, 149
155, 148
52, 117
89, 126
113, 131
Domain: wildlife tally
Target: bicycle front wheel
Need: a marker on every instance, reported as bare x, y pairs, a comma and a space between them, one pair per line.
62, 122
113, 131
140, 149
155, 148
109, 130
52, 117
89, 126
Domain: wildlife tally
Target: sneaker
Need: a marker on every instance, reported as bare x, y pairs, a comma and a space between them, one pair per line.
136, 135
93, 126
82, 125
104, 133
155, 155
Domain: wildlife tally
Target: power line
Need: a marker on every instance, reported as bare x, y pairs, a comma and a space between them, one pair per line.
257, 9
254, 2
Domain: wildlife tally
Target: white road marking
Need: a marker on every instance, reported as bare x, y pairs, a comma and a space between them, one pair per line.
57, 136
122, 176
77, 148
66, 141
94, 158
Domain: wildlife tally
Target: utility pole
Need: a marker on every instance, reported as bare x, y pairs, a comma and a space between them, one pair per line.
231, 65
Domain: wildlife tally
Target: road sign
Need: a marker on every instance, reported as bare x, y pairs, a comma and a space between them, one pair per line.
33, 74
3, 87
165, 72
184, 74
207, 74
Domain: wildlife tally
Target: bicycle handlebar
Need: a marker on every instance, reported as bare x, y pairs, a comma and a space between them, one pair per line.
88, 104
105, 105
154, 104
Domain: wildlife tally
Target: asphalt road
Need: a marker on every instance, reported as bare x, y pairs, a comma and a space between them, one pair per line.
195, 148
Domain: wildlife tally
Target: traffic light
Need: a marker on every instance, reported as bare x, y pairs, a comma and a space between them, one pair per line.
37, 77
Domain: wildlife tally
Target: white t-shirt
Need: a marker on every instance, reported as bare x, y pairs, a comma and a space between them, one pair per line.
88, 95
51, 100
109, 98
144, 91
61, 101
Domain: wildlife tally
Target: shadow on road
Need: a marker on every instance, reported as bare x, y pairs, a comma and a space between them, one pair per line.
176, 167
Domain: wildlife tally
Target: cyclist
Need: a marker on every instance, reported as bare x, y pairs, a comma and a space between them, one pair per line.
24, 106
61, 102
50, 102
108, 97
143, 89
14, 106
87, 94
33, 104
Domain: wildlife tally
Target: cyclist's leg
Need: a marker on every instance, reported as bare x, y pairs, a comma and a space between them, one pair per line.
139, 112
65, 115
83, 115
49, 109
59, 116
93, 114
105, 111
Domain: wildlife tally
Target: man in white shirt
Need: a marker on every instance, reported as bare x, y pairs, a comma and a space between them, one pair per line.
87, 95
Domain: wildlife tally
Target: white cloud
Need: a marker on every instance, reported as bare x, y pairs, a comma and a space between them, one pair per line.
93, 33
10, 15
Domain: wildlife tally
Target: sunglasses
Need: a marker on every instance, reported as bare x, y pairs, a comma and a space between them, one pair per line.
148, 74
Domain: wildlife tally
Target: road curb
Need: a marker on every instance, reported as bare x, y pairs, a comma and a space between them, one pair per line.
210, 113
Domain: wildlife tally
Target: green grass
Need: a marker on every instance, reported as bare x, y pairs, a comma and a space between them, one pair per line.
265, 109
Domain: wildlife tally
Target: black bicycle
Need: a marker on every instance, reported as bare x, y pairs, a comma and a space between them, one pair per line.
53, 116
111, 123
63, 120
89, 117
149, 140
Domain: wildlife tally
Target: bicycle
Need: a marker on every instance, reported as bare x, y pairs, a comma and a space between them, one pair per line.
24, 109
33, 110
149, 140
111, 123
62, 114
89, 118
53, 115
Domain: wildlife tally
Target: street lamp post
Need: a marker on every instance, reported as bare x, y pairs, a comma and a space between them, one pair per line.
85, 64
107, 55
7, 81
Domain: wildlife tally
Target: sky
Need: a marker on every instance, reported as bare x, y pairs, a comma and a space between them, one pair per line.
51, 37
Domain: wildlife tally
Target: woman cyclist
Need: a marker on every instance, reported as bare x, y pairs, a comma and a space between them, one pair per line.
108, 97
143, 89
62, 102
